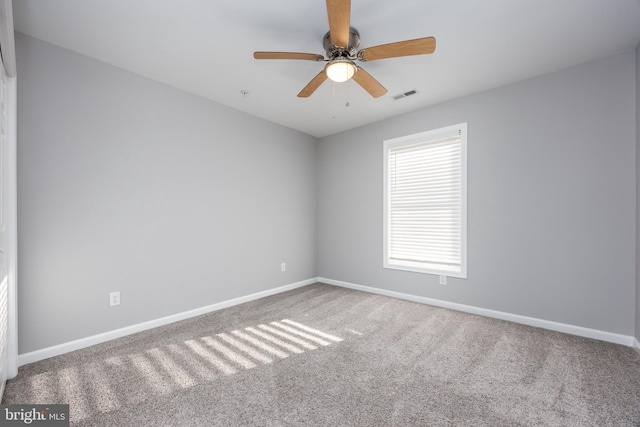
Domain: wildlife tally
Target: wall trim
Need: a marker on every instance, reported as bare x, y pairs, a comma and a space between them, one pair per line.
516, 318
636, 344
67, 347
11, 224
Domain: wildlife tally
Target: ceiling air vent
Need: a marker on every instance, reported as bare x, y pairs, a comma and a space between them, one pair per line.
405, 94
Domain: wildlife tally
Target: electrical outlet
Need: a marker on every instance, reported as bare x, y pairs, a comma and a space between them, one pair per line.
443, 280
114, 299
283, 266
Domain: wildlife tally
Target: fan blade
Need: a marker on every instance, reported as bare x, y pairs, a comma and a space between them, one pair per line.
368, 83
313, 85
288, 55
393, 50
339, 12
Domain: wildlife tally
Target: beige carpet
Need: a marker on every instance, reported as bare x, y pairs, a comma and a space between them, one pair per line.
327, 356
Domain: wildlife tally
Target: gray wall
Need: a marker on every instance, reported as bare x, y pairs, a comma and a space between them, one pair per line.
638, 192
129, 185
551, 198
125, 184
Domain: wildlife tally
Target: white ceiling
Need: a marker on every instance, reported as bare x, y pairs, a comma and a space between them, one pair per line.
205, 47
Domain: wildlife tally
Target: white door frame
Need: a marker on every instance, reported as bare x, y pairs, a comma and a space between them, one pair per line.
11, 233
7, 43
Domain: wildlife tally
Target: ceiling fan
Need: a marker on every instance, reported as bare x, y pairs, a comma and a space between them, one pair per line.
341, 45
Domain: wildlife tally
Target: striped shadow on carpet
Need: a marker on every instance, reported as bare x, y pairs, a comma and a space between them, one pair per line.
323, 355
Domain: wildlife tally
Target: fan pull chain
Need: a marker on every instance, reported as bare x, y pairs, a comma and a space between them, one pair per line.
348, 92
334, 103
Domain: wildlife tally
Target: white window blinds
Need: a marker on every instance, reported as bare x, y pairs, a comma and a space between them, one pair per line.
425, 197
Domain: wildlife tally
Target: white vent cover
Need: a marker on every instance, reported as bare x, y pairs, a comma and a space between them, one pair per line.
405, 94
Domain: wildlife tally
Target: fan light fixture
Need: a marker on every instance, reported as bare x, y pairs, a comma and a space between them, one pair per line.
340, 70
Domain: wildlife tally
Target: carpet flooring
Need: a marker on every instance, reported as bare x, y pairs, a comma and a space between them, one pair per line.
327, 356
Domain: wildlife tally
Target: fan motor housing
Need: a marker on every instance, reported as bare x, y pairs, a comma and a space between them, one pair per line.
334, 51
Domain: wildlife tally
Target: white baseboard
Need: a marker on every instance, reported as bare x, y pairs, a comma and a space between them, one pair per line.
516, 318
59, 349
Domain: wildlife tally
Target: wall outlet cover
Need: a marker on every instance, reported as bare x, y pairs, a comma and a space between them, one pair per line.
114, 299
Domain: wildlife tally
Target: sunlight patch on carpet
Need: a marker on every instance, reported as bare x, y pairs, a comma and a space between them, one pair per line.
89, 387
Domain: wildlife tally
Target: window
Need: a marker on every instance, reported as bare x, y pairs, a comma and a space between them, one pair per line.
425, 222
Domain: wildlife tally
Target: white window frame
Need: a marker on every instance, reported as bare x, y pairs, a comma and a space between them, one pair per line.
421, 266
